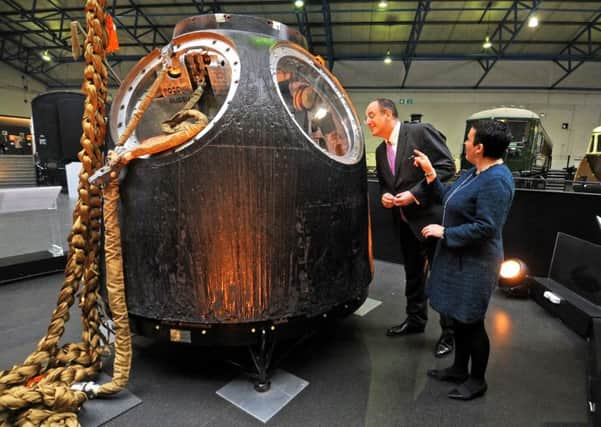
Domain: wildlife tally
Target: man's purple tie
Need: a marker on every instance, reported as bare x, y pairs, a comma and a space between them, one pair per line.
391, 155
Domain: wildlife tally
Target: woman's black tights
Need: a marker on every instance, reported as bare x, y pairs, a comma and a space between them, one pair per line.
471, 342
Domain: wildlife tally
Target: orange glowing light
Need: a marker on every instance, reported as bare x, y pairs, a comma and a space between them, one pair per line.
510, 269
15, 121
501, 325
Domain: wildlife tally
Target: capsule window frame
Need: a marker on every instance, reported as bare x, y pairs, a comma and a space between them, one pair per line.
356, 149
181, 45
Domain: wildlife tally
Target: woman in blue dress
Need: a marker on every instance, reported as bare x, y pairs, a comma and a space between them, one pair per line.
470, 250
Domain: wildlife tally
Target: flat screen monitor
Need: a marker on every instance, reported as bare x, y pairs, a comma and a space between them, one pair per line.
576, 264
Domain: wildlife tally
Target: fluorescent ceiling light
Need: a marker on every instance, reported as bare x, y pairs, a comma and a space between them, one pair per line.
487, 43
387, 59
533, 22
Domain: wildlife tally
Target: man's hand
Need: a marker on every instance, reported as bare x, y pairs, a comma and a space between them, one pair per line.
387, 200
405, 198
433, 230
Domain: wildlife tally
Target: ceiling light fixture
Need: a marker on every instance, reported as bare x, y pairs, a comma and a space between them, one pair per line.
383, 5
46, 56
299, 3
533, 22
487, 43
387, 58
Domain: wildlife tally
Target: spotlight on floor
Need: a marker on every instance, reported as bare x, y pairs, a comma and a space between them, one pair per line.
513, 279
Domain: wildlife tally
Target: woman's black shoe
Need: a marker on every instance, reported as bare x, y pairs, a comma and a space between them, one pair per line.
469, 390
447, 374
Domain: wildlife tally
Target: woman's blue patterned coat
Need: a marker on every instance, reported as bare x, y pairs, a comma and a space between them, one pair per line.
466, 265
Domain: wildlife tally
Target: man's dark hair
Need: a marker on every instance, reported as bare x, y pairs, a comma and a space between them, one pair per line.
387, 104
494, 135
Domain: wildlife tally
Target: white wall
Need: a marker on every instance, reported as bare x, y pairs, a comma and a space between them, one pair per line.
447, 111
448, 108
16, 92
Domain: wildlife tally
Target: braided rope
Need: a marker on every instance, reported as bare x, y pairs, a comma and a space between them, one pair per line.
38, 392
46, 418
116, 290
51, 401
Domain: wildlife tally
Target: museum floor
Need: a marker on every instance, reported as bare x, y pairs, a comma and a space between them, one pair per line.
357, 376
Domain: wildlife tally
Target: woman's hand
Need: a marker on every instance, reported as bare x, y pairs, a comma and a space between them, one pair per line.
433, 230
420, 160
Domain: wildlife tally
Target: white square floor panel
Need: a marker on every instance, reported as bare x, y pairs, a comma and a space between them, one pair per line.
263, 406
367, 306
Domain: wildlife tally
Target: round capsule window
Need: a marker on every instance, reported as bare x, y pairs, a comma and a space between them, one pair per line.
317, 104
203, 74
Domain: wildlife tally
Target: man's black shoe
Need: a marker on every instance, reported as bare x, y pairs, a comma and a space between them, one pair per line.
444, 346
469, 390
447, 374
405, 328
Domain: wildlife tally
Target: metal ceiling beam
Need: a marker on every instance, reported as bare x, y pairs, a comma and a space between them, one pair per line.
418, 57
134, 34
32, 28
22, 48
130, 13
25, 52
486, 9
327, 23
30, 16
194, 4
574, 48
45, 14
473, 22
302, 20
510, 24
199, 6
139, 13
18, 52
217, 6
26, 61
419, 20
320, 43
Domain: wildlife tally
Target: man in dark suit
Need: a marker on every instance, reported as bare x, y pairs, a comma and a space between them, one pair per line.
401, 192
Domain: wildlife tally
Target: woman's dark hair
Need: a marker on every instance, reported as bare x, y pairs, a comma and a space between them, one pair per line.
387, 104
494, 135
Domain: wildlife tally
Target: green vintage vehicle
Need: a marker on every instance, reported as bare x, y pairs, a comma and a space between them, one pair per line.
590, 166
530, 149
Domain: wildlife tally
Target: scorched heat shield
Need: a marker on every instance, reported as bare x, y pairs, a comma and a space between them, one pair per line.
263, 216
